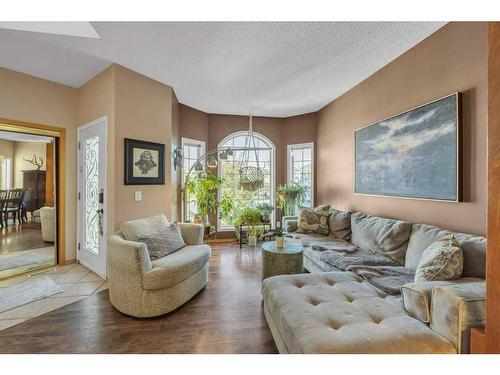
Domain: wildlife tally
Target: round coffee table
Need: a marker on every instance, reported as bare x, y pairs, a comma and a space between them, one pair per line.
281, 261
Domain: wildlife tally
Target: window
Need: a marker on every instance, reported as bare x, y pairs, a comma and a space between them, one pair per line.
5, 173
192, 149
230, 171
301, 169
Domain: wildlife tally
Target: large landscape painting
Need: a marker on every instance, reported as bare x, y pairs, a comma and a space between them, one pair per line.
412, 155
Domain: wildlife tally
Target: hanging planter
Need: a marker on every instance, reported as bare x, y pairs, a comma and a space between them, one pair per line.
290, 196
251, 178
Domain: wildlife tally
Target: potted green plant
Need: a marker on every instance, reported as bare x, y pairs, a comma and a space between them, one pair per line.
226, 205
290, 196
204, 187
265, 211
250, 217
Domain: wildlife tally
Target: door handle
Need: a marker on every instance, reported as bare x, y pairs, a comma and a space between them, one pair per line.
100, 214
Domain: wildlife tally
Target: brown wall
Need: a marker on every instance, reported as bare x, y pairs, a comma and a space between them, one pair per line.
26, 98
96, 99
143, 110
452, 59
193, 123
136, 107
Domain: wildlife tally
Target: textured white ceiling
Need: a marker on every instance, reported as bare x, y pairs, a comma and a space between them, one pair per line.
274, 68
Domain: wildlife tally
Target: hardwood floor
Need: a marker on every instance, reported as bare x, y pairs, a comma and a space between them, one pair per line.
21, 237
225, 317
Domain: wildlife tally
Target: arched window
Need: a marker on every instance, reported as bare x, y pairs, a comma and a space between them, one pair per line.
230, 170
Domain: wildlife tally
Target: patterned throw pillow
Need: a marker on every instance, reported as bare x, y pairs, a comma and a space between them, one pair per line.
163, 243
442, 260
314, 220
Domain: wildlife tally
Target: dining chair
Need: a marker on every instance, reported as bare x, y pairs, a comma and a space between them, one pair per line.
13, 206
23, 213
3, 201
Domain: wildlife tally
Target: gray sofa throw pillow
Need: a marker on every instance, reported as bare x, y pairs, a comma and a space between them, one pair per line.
380, 235
339, 223
442, 260
314, 220
163, 243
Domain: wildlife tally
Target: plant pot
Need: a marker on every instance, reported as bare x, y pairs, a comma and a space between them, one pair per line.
252, 239
201, 219
280, 242
290, 196
237, 231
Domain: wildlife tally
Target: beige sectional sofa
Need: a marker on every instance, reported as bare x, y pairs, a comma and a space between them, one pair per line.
334, 311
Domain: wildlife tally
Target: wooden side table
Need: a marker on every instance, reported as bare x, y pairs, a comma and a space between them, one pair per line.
285, 261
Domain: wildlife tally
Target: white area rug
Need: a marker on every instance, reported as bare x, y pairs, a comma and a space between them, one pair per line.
28, 258
26, 292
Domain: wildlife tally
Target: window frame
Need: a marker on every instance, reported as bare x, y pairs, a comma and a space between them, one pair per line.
6, 171
272, 181
191, 142
289, 173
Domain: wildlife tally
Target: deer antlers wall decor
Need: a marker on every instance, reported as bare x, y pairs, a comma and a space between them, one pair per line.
36, 161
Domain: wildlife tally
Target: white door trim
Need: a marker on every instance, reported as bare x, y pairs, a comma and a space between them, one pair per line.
102, 120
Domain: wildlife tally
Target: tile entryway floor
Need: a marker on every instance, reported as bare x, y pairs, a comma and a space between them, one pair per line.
76, 281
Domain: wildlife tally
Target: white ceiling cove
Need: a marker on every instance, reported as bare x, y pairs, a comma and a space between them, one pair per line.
21, 137
275, 69
81, 29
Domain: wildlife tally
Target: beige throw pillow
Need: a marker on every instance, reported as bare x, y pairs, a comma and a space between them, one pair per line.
443, 260
163, 243
314, 220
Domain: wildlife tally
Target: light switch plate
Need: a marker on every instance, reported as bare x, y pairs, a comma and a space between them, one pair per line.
138, 196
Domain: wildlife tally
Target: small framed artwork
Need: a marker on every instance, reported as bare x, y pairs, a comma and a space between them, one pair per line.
144, 163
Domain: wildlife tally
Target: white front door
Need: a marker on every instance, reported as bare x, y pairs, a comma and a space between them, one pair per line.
91, 250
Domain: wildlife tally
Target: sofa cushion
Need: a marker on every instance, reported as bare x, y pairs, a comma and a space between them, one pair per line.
473, 247
380, 235
457, 308
442, 260
313, 220
314, 256
306, 239
416, 297
163, 243
332, 312
176, 267
339, 223
145, 227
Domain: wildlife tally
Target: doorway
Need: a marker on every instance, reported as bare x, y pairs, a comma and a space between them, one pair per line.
91, 196
28, 200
